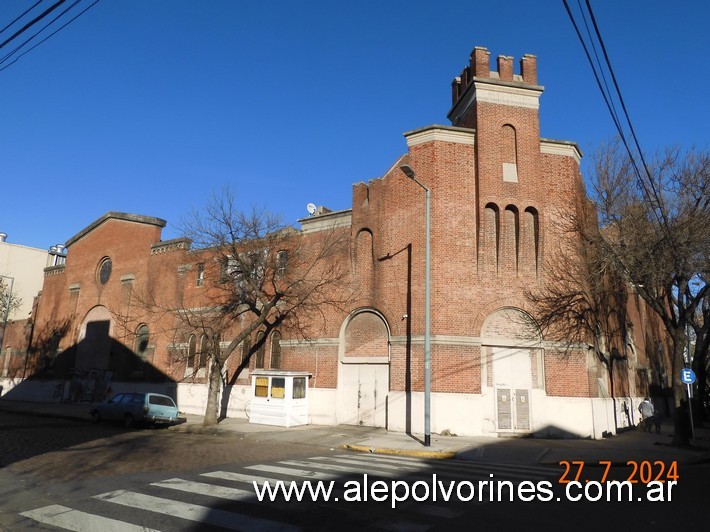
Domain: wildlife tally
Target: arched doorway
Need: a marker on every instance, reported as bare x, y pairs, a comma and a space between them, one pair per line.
363, 381
94, 347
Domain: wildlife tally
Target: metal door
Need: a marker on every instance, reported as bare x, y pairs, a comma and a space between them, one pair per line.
365, 394
512, 382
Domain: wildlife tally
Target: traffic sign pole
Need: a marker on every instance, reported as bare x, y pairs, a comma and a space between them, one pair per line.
687, 377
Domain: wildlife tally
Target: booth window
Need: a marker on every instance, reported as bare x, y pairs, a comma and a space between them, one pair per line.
299, 387
278, 387
262, 387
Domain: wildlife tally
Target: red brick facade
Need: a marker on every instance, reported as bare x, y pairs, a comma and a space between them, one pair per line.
495, 186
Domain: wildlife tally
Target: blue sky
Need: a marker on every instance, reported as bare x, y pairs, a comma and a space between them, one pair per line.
148, 106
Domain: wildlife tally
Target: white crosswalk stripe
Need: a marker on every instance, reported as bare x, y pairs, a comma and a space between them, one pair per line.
303, 474
211, 490
192, 512
68, 519
333, 470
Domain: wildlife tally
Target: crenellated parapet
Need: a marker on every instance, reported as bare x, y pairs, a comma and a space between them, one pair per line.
480, 67
170, 245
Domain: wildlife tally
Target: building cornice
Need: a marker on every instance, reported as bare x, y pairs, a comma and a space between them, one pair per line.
438, 133
562, 148
326, 221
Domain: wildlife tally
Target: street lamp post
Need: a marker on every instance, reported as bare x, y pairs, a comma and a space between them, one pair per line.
427, 307
7, 310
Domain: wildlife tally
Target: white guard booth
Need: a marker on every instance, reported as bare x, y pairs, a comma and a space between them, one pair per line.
279, 397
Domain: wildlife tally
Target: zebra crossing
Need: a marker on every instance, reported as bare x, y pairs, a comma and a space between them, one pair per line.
228, 499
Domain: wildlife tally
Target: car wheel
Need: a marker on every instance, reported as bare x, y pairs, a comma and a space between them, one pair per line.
128, 421
95, 417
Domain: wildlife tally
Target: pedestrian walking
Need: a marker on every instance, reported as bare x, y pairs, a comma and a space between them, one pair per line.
646, 409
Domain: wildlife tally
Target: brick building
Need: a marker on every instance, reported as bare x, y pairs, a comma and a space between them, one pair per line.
496, 189
21, 278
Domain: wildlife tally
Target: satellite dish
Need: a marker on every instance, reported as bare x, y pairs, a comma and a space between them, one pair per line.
311, 208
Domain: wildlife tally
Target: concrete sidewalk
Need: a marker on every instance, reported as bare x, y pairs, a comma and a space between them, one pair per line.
631, 445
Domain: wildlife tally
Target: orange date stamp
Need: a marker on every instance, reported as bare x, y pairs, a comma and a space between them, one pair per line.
643, 471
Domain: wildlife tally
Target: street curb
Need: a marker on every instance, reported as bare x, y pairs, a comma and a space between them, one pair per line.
438, 455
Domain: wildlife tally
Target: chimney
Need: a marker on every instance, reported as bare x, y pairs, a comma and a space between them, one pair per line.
3, 237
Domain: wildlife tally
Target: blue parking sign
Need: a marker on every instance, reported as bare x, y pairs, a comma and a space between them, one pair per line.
687, 376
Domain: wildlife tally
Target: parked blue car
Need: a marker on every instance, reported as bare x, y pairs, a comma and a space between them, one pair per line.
137, 408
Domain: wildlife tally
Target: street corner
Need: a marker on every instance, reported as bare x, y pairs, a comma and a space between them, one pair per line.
413, 453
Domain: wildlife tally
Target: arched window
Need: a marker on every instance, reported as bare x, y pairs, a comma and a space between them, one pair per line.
509, 153
200, 274
490, 237
142, 340
246, 347
204, 354
530, 247
259, 362
281, 262
510, 238
191, 351
276, 350
103, 272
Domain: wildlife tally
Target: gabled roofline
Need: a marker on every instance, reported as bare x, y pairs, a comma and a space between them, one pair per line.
136, 218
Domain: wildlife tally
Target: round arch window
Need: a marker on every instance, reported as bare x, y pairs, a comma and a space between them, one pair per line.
105, 270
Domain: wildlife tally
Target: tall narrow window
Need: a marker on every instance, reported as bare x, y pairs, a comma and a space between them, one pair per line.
191, 351
205, 348
246, 347
281, 262
510, 240
200, 274
490, 238
276, 350
259, 362
142, 339
508, 153
530, 247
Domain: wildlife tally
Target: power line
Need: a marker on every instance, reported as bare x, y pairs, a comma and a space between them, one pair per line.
4, 59
656, 195
63, 13
22, 15
32, 23
653, 196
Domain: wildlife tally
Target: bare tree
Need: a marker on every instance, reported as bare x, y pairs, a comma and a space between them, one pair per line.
265, 276
654, 237
580, 299
9, 302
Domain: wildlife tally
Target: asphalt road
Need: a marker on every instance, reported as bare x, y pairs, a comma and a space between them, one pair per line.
86, 477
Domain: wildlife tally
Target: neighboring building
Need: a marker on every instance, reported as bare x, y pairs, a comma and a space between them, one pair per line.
496, 189
22, 276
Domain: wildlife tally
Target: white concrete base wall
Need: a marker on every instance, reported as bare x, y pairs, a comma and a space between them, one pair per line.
461, 414
31, 390
456, 413
321, 406
57, 391
192, 398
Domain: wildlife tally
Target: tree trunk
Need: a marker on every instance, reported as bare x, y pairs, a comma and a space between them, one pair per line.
700, 364
214, 385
